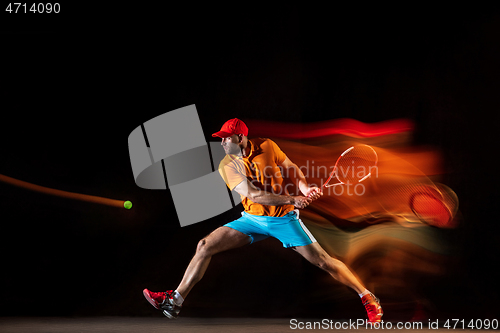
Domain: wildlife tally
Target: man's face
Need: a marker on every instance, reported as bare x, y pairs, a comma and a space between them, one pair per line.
231, 145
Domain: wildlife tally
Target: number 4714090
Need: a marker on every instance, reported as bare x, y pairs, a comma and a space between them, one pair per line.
18, 7
472, 324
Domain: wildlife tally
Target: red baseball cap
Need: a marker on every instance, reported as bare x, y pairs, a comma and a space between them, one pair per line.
231, 127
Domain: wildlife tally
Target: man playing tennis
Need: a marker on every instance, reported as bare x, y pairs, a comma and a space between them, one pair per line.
252, 168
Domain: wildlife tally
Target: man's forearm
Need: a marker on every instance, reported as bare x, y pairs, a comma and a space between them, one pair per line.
271, 199
263, 197
298, 178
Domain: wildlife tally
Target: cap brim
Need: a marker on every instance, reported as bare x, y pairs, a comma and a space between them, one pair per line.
222, 134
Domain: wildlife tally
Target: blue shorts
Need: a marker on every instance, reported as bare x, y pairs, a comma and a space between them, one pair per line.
289, 229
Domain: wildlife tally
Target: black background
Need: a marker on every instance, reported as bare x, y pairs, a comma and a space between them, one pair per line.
75, 84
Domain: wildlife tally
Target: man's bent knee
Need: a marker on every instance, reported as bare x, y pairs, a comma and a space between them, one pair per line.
324, 262
327, 263
221, 239
331, 264
203, 247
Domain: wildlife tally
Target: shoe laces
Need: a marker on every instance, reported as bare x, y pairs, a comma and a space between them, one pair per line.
369, 299
371, 308
158, 296
371, 304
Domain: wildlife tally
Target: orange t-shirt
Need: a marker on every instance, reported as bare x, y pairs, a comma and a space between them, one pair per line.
261, 168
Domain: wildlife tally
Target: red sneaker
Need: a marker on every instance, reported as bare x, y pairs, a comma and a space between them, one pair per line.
373, 308
163, 301
154, 298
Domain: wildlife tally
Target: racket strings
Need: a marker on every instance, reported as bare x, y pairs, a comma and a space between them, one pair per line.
356, 164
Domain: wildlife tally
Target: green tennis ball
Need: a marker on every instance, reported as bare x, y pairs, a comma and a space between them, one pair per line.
127, 204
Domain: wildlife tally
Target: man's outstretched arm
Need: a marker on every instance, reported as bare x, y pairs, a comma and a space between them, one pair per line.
294, 173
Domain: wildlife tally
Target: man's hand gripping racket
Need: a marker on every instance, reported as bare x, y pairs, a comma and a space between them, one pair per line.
311, 194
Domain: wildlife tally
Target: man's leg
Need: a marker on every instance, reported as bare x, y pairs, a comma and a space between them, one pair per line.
221, 239
316, 255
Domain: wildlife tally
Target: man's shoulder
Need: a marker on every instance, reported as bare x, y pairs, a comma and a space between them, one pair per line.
261, 142
229, 160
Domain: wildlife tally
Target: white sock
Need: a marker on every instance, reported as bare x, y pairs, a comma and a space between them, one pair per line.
366, 292
178, 300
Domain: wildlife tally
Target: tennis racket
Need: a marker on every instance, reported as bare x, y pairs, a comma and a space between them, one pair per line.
353, 166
